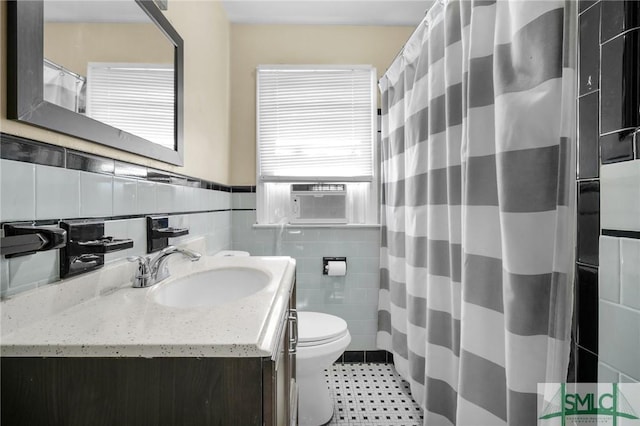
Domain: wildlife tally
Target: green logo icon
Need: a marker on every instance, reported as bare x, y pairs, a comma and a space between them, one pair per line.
567, 404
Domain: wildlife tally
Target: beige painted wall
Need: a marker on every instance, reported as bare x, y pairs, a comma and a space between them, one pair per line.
252, 45
75, 45
206, 33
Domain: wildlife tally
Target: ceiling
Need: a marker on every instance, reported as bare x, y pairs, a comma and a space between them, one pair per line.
327, 12
310, 12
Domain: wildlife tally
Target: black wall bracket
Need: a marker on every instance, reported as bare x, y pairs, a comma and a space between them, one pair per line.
87, 246
159, 232
24, 238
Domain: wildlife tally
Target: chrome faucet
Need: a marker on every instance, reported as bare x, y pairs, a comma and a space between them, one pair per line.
152, 271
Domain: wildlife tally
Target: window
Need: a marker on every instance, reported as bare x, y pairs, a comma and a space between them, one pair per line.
137, 98
316, 124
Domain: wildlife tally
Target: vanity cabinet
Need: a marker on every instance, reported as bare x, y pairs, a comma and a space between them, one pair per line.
168, 391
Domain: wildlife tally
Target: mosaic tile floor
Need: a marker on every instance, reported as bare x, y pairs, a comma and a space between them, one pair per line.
371, 394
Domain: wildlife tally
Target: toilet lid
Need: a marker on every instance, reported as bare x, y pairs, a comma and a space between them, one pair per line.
316, 327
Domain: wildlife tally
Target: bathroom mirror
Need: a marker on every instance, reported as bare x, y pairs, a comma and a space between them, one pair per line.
64, 55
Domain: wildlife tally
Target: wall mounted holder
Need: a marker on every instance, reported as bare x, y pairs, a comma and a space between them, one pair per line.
159, 232
87, 246
327, 264
24, 238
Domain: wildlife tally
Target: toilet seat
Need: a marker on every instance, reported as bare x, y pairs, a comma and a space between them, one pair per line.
315, 328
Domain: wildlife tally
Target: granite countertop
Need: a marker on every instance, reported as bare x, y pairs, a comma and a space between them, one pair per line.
125, 322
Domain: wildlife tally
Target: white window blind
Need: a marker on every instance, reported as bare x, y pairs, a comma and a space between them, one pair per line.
137, 98
315, 124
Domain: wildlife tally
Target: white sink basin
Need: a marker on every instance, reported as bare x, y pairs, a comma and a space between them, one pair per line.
214, 287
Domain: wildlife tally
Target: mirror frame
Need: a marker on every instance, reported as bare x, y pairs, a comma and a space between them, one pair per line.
25, 88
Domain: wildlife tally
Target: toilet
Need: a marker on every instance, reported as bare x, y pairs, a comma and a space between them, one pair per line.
322, 338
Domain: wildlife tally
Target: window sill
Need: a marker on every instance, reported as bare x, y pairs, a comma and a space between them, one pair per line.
315, 225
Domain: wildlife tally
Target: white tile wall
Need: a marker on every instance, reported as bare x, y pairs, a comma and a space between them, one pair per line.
353, 297
619, 308
619, 338
4, 275
620, 196
17, 186
223, 199
125, 196
202, 197
243, 200
96, 195
607, 374
609, 271
167, 196
619, 272
30, 271
190, 199
42, 192
630, 273
57, 193
146, 197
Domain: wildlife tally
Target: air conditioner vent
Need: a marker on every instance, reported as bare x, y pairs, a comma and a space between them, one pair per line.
318, 203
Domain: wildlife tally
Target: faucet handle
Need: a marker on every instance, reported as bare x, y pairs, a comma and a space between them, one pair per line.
143, 276
142, 261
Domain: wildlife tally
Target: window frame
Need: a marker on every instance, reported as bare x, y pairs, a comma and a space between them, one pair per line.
371, 206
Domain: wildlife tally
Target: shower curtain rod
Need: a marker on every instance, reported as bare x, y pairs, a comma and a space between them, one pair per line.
64, 70
426, 13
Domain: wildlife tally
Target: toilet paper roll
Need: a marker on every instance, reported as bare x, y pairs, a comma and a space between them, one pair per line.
336, 268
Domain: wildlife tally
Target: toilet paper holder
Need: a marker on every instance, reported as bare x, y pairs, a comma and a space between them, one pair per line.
326, 260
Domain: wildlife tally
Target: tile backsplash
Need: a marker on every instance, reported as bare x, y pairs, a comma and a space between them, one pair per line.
353, 297
40, 188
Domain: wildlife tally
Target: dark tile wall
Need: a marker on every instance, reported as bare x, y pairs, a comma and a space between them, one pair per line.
587, 307
616, 147
608, 120
619, 83
588, 221
588, 106
618, 17
588, 51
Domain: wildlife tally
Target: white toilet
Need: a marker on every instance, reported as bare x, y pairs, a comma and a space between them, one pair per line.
322, 338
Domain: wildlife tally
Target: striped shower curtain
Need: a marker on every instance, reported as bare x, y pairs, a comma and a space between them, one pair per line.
477, 208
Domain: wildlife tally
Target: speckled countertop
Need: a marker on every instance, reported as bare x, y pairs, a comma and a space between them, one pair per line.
125, 321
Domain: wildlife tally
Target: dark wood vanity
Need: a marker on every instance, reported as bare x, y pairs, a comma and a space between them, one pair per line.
168, 391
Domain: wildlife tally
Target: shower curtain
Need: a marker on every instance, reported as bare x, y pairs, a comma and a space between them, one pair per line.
477, 208
63, 88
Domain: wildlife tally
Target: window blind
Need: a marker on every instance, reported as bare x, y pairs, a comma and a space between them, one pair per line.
137, 98
315, 124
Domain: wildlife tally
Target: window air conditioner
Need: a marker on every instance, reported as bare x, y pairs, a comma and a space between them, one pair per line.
318, 203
